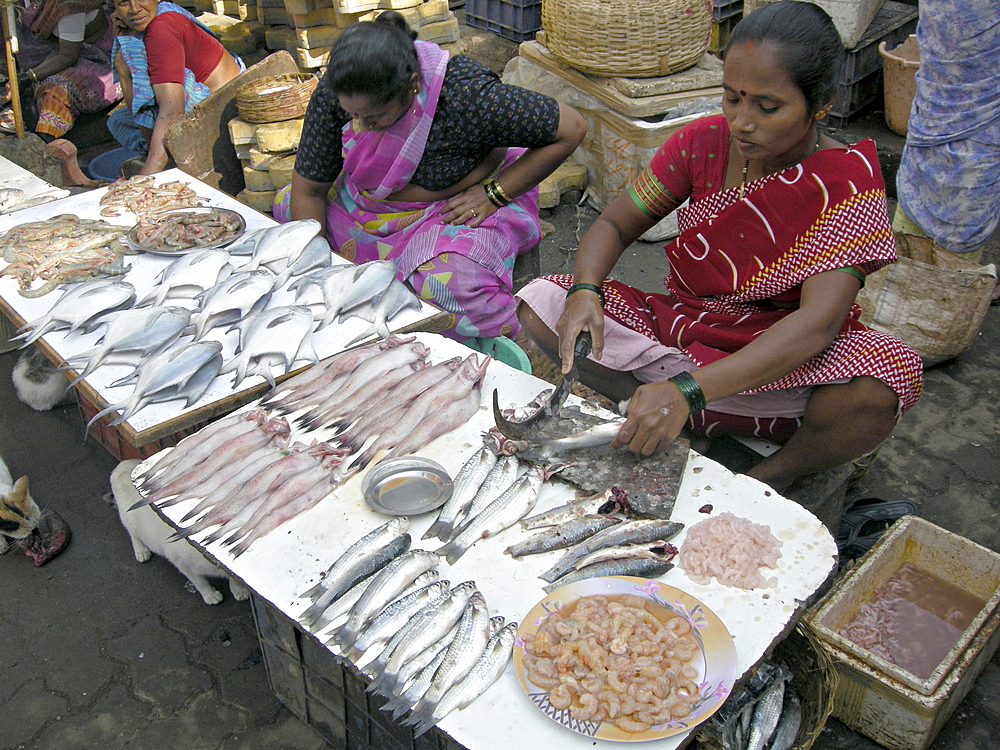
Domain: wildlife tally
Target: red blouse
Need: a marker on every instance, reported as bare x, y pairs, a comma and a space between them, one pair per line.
175, 42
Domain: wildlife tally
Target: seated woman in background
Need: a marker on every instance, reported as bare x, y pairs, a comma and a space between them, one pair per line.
757, 334
64, 55
432, 163
167, 62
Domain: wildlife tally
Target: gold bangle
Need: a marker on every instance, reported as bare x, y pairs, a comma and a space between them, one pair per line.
34, 76
494, 197
500, 191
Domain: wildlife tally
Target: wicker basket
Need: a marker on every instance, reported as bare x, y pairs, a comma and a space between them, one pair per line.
627, 38
814, 680
275, 98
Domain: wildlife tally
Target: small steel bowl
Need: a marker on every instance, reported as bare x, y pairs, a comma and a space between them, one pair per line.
407, 486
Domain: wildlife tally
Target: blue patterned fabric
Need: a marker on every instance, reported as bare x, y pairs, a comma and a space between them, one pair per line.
948, 181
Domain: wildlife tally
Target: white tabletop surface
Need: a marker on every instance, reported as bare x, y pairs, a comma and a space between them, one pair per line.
142, 274
35, 188
282, 565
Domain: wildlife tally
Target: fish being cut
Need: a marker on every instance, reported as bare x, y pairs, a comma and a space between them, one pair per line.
79, 306
180, 372
189, 275
276, 336
236, 298
131, 336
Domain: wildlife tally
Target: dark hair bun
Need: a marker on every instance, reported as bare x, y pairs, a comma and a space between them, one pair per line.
395, 20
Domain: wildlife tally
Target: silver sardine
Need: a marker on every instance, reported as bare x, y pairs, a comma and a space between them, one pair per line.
565, 535
500, 478
391, 624
629, 566
613, 500
467, 483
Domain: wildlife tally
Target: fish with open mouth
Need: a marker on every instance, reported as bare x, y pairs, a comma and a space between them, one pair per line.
78, 307
189, 275
276, 336
180, 372
131, 337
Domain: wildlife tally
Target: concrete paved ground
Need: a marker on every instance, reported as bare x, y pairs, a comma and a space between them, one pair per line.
102, 652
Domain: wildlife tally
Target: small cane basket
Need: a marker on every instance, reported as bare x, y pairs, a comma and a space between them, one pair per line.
275, 98
627, 38
814, 680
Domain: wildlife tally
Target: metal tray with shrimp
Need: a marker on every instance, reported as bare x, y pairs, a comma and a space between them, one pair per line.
183, 230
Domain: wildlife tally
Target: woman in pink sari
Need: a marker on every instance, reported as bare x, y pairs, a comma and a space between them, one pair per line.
757, 333
430, 162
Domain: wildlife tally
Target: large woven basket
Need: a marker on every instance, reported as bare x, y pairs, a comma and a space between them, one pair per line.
275, 98
627, 38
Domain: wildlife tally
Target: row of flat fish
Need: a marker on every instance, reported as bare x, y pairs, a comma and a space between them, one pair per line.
430, 647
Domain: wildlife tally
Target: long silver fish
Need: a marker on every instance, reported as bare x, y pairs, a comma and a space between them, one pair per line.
388, 584
766, 714
596, 436
341, 606
139, 332
409, 671
486, 671
234, 299
629, 532
564, 535
787, 730
181, 372
629, 566
78, 306
513, 505
500, 478
396, 616
341, 575
278, 336
664, 552
613, 500
463, 653
428, 627
467, 483
189, 275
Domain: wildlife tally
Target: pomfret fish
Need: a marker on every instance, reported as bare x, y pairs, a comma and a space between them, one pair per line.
181, 372
396, 298
79, 306
486, 671
189, 275
513, 505
629, 566
371, 280
629, 532
141, 331
467, 483
343, 572
277, 333
315, 254
275, 247
233, 299
564, 535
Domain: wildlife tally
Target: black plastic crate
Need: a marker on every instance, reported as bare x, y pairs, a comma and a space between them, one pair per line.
892, 25
853, 99
722, 9
517, 20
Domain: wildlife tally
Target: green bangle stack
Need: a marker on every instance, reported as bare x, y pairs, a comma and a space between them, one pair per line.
589, 288
690, 390
496, 194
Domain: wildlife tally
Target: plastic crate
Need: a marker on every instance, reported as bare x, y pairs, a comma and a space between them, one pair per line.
517, 20
328, 693
721, 29
892, 25
727, 9
854, 98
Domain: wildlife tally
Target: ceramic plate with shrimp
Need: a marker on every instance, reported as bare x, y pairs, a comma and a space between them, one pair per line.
625, 659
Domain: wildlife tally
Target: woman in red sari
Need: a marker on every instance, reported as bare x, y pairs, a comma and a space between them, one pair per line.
757, 333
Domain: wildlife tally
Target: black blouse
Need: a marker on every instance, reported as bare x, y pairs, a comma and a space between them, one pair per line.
476, 113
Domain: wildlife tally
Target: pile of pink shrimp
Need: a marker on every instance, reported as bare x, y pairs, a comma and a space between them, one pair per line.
730, 548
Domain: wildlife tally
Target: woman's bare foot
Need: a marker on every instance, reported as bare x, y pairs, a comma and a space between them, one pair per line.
72, 175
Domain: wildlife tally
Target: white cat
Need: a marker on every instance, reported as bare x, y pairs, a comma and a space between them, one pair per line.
37, 382
149, 534
19, 515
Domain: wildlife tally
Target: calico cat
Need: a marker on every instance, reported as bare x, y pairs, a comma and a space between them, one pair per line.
19, 515
149, 533
37, 382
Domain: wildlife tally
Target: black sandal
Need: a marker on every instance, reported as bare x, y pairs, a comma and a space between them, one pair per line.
865, 521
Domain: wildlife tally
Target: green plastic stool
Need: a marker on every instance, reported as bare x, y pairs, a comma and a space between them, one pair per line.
503, 349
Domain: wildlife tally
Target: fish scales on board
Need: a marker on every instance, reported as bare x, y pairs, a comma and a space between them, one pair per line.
652, 483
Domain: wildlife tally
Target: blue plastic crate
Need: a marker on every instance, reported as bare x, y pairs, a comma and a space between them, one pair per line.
517, 20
